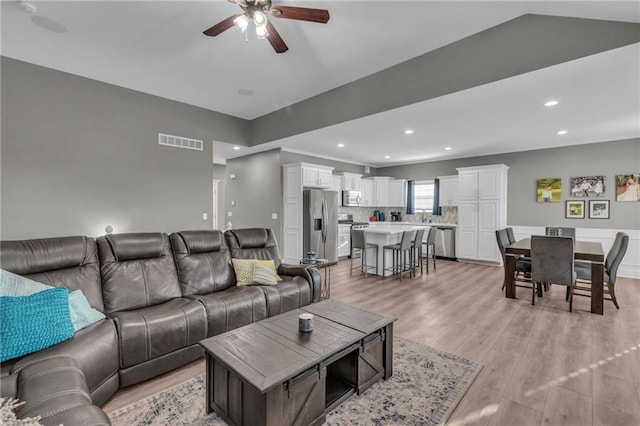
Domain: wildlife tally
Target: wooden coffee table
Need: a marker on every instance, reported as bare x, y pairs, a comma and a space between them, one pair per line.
269, 373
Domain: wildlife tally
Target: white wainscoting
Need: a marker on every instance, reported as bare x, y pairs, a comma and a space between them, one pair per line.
630, 266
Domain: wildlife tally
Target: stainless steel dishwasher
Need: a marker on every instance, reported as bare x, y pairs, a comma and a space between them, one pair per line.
446, 242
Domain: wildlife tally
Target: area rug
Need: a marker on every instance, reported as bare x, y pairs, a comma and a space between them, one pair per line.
425, 388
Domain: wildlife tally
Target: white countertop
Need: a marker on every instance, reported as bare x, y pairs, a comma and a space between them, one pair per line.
389, 229
385, 223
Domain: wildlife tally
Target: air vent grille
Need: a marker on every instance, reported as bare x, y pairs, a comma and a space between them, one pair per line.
179, 142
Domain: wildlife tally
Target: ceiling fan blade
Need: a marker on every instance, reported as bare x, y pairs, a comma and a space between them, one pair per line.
320, 16
220, 26
274, 38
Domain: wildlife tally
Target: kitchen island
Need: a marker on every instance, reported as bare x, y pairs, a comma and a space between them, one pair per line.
382, 235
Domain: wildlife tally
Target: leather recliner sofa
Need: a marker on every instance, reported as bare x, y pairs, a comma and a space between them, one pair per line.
161, 295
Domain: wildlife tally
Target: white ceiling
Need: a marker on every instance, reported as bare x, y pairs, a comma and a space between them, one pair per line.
157, 47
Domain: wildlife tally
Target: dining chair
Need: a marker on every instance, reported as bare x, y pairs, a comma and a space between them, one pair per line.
556, 231
611, 264
416, 246
522, 265
359, 250
552, 262
511, 237
401, 255
430, 252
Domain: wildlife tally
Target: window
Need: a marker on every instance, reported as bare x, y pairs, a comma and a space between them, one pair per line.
423, 199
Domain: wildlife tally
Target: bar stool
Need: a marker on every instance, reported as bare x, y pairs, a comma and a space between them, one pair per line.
416, 246
359, 249
400, 252
431, 247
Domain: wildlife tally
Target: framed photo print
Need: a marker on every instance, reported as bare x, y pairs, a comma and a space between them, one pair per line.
628, 187
574, 209
549, 190
587, 186
598, 209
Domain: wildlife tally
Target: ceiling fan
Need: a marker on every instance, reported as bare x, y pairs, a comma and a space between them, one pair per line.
257, 10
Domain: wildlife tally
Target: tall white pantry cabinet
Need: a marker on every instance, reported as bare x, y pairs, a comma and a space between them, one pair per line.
482, 209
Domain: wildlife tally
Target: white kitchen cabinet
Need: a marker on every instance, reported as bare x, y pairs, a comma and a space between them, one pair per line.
337, 186
350, 181
366, 187
482, 209
381, 191
294, 178
315, 176
448, 191
397, 193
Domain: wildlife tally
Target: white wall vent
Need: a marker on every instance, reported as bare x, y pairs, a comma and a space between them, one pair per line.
179, 142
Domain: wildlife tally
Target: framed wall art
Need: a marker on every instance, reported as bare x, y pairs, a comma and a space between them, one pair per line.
549, 190
587, 186
628, 187
598, 209
574, 209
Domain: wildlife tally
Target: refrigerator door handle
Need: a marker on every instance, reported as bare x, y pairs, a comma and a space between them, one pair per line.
324, 221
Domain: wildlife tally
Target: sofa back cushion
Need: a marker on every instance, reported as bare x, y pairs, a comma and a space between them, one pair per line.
137, 271
203, 261
253, 243
71, 262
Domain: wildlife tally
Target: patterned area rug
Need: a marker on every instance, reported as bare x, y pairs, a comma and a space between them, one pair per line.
426, 386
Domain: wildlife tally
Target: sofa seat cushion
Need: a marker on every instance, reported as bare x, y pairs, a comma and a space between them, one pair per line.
292, 293
94, 349
84, 415
50, 387
233, 308
148, 333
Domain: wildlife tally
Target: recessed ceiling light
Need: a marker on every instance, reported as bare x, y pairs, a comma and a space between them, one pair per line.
387, 157
340, 145
246, 92
447, 148
551, 103
236, 148
561, 132
408, 132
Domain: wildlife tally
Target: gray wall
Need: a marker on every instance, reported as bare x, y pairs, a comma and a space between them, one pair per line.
605, 158
220, 173
256, 190
78, 154
339, 166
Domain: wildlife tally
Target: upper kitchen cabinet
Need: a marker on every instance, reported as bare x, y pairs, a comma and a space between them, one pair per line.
448, 191
482, 209
350, 181
337, 186
366, 187
381, 191
316, 176
397, 193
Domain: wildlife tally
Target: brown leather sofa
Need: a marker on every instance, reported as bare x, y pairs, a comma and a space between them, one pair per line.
161, 295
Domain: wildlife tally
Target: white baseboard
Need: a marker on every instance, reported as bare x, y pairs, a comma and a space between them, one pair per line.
630, 266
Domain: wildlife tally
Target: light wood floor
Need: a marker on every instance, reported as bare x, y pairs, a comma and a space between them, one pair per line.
542, 364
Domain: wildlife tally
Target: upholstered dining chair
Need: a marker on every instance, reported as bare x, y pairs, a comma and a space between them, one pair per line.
611, 264
360, 248
401, 253
417, 253
511, 237
522, 266
555, 231
552, 262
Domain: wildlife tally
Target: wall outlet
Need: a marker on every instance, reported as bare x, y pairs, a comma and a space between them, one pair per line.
229, 214
233, 203
367, 169
274, 216
232, 176
204, 216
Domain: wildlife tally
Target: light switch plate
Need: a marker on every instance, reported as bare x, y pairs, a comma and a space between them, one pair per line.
229, 214
204, 216
274, 216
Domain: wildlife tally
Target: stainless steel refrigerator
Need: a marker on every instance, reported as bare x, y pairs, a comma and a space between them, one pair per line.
320, 223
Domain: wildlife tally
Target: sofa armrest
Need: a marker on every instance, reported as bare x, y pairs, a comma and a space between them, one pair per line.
308, 272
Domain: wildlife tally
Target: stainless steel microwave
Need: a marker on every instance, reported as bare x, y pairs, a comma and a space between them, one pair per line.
351, 198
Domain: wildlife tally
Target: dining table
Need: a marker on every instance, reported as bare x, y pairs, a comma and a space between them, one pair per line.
583, 250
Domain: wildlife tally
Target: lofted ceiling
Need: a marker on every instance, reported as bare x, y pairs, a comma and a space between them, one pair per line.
157, 47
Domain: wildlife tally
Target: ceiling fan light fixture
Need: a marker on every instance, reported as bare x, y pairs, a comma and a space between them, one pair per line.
261, 32
259, 18
242, 22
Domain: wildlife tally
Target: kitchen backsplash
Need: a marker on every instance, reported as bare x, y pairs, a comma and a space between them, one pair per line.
362, 214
